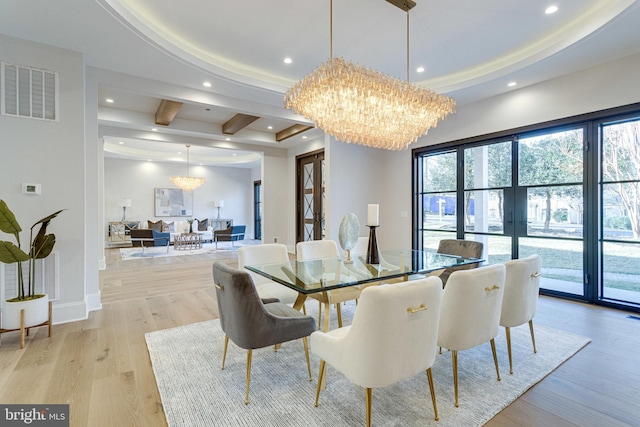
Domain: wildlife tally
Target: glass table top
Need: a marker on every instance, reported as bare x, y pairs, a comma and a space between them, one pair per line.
319, 275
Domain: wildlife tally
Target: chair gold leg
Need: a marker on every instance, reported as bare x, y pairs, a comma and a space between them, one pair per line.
454, 362
320, 378
495, 357
306, 353
533, 337
368, 398
507, 331
319, 314
224, 352
246, 393
339, 313
433, 393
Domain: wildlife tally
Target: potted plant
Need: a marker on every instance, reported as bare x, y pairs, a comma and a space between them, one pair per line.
35, 306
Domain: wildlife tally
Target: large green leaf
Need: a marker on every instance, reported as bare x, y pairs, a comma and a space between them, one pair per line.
8, 222
43, 245
10, 253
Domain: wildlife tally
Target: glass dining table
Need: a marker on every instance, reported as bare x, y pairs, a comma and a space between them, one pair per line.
324, 275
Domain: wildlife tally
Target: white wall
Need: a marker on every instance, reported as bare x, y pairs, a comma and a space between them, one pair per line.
51, 154
136, 180
606, 86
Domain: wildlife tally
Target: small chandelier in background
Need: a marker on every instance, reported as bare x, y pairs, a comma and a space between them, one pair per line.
358, 105
187, 183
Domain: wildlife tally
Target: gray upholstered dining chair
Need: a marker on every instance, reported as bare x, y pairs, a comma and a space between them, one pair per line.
463, 248
250, 323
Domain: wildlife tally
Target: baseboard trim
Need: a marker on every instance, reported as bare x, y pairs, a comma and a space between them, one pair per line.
69, 312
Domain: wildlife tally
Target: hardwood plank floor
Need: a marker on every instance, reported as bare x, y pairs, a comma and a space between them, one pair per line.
101, 367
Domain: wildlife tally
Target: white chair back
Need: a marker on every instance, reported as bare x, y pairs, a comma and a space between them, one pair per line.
471, 305
392, 336
267, 253
521, 288
317, 249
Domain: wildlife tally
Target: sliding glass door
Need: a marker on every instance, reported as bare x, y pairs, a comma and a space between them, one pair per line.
568, 191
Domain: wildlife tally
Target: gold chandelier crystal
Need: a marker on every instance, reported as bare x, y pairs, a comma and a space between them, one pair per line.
358, 105
187, 183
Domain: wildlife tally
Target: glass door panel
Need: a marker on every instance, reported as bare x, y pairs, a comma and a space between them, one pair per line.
550, 206
562, 265
620, 212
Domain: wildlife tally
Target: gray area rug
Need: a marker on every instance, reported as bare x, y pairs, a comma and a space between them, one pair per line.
195, 392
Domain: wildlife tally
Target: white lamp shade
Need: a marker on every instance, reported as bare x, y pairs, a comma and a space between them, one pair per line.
221, 204
125, 203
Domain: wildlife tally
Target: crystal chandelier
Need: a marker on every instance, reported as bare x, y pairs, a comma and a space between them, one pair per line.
187, 183
358, 105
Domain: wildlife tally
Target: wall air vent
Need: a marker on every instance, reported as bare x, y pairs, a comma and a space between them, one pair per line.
28, 92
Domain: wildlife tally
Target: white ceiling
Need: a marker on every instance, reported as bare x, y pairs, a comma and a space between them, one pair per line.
166, 49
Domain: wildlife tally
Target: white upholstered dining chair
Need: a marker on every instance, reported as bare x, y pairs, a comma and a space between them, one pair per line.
326, 249
392, 337
521, 287
268, 253
470, 312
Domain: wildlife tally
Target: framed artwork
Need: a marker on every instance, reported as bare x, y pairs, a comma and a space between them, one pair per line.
173, 202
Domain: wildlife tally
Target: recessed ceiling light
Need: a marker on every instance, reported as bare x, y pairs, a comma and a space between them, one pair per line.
120, 142
109, 100
288, 60
154, 129
228, 139
420, 69
206, 84
551, 9
511, 84
269, 127
304, 137
234, 154
149, 160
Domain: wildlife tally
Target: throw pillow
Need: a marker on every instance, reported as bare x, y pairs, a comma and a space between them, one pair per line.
202, 224
154, 225
167, 227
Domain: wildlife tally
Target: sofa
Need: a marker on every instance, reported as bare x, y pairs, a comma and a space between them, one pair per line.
231, 234
200, 226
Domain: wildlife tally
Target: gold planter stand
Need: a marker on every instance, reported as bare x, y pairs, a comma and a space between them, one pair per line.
22, 328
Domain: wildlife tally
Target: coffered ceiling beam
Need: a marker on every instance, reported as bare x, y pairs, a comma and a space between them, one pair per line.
237, 122
167, 111
291, 131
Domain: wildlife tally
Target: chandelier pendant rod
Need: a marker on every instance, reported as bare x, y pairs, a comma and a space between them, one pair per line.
331, 30
408, 46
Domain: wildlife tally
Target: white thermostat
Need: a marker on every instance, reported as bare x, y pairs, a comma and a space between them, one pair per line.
31, 189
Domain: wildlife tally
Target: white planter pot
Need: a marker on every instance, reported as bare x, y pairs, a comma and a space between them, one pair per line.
36, 311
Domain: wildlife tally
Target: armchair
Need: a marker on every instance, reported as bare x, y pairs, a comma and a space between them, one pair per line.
470, 312
232, 234
250, 323
392, 338
521, 287
147, 238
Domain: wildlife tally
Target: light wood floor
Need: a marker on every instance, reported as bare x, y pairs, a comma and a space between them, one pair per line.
101, 366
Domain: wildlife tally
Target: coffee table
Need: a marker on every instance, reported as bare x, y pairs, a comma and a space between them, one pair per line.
187, 241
